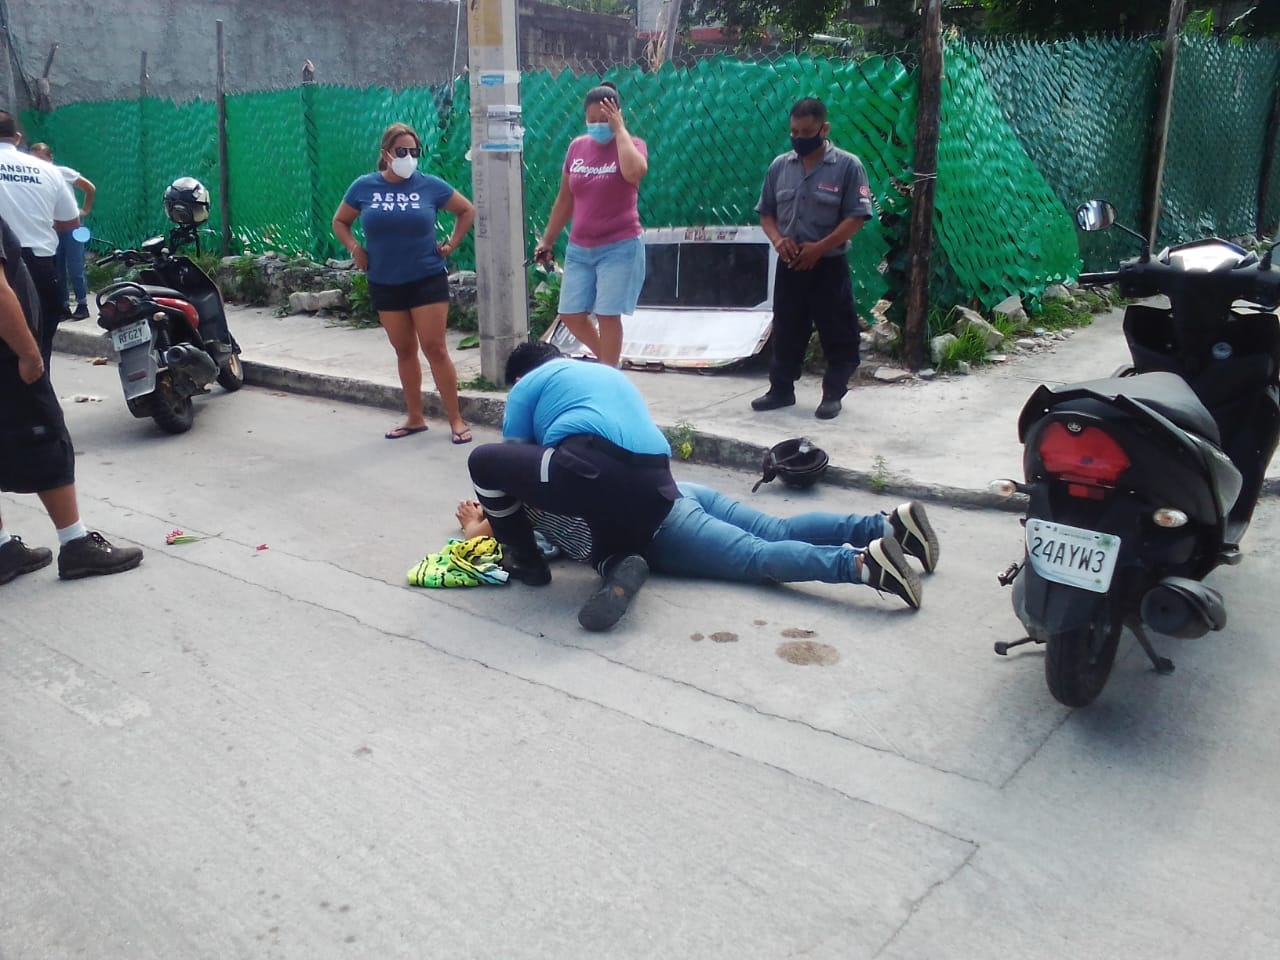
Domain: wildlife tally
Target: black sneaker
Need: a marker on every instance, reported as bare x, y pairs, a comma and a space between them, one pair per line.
16, 558
93, 555
914, 533
828, 409
884, 566
606, 606
82, 312
773, 401
531, 571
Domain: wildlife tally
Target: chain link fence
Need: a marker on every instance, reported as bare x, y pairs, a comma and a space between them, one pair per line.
1028, 130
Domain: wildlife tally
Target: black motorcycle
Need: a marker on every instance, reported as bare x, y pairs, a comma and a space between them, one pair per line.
169, 326
1141, 484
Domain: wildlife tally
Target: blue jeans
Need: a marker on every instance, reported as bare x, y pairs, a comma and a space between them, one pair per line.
70, 260
707, 534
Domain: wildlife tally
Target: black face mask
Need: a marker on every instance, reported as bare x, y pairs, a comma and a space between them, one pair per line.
806, 145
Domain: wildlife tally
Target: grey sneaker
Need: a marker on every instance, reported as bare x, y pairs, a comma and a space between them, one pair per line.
16, 558
885, 567
93, 555
606, 606
914, 533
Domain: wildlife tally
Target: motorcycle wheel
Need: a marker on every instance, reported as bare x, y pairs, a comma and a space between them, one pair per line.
231, 377
172, 413
1078, 662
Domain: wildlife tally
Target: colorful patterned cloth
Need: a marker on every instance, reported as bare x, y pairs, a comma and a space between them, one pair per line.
462, 563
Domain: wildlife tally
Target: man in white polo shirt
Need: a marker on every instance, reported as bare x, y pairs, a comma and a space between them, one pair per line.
36, 202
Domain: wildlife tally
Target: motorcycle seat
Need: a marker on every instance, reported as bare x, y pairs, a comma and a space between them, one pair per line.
154, 291
1165, 393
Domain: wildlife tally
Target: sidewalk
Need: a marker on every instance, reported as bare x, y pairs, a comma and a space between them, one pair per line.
943, 439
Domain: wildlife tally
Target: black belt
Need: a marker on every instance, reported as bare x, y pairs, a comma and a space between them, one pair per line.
28, 252
615, 452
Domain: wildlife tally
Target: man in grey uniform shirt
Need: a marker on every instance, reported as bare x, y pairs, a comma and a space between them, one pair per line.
814, 199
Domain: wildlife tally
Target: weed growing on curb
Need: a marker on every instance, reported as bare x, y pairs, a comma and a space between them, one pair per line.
482, 383
879, 474
681, 438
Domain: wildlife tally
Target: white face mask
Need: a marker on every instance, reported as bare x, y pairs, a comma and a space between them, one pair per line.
403, 167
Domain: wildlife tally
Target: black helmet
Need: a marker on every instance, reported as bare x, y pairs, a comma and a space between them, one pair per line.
186, 201
799, 462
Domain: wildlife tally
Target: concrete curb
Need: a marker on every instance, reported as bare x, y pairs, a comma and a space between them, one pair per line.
487, 410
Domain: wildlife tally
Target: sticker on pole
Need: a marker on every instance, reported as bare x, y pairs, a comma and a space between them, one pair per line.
504, 128
1072, 555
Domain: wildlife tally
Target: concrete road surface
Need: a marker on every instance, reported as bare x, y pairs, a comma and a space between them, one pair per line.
265, 744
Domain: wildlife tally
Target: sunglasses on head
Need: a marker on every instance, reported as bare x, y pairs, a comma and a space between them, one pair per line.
407, 151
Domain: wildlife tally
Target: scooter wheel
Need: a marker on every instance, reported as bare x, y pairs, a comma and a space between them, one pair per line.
231, 376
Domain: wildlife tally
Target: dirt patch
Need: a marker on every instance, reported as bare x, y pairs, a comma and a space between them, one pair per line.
798, 633
695, 637
724, 636
806, 653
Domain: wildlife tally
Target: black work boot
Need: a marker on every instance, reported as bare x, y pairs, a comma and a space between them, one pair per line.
622, 581
527, 566
16, 558
776, 398
93, 555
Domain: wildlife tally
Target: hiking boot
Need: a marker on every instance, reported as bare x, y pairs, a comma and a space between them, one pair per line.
884, 566
914, 533
93, 555
606, 606
530, 570
773, 401
16, 558
82, 312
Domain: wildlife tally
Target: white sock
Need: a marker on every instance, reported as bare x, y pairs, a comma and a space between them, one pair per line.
4, 536
73, 532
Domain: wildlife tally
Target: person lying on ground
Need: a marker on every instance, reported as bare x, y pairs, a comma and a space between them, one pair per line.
710, 535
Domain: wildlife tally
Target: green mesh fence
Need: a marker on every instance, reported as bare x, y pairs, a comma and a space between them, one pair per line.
1028, 131
1271, 216
1221, 98
1082, 110
998, 222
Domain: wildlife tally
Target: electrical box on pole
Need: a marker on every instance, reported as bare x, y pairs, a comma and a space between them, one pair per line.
497, 158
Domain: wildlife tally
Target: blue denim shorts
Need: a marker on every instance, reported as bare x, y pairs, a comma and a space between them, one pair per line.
603, 280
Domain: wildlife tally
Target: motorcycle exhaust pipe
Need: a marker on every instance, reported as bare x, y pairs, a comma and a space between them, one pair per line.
192, 361
1180, 607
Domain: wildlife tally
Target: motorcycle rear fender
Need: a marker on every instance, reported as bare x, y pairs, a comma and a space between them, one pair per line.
1047, 609
139, 367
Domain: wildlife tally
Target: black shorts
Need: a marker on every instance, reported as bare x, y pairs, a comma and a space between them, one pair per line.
35, 449
406, 296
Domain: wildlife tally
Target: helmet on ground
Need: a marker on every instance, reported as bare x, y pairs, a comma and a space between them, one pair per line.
186, 201
799, 462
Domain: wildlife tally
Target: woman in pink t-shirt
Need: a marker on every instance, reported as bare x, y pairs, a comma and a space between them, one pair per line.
604, 261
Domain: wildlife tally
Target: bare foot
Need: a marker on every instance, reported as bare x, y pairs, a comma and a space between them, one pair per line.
471, 518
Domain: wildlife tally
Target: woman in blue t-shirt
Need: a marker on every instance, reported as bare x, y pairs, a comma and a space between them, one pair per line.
408, 279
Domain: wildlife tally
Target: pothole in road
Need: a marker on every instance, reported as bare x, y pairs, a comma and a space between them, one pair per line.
807, 653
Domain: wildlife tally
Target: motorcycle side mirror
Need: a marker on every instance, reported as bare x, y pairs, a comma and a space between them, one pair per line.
1093, 215
153, 245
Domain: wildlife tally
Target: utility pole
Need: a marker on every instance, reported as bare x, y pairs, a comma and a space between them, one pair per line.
224, 168
1164, 110
928, 125
497, 178
672, 29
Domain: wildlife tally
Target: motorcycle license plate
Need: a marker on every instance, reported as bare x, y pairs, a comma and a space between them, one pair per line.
1072, 555
135, 334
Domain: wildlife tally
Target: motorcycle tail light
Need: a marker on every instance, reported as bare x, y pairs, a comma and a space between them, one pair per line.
1084, 456
107, 310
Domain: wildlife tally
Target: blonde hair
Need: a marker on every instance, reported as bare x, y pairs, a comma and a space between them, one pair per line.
391, 135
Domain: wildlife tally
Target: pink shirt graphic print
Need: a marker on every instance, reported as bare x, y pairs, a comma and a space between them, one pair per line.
604, 204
